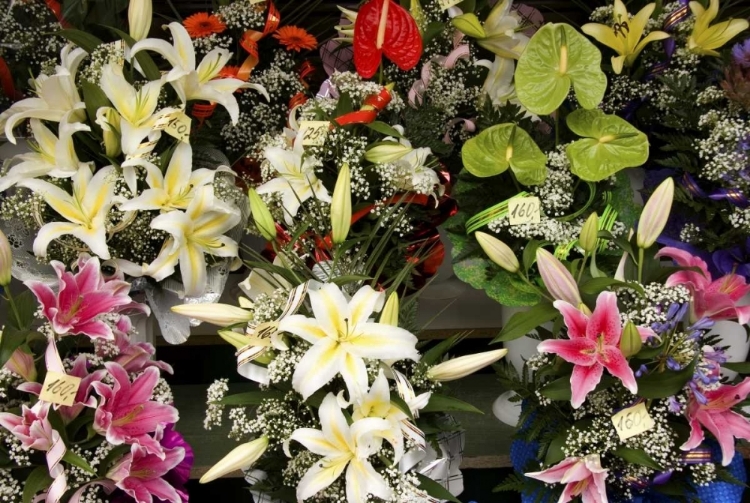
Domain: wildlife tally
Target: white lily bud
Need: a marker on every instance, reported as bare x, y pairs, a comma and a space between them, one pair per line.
6, 260
140, 13
387, 151
240, 458
655, 214
341, 206
389, 314
498, 252
222, 315
462, 366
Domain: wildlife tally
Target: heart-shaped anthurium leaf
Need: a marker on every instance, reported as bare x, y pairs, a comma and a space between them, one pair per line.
610, 144
496, 149
556, 58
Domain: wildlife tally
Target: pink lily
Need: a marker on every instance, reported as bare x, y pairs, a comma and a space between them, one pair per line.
82, 298
134, 357
32, 427
22, 363
126, 415
139, 474
716, 299
593, 345
582, 477
718, 418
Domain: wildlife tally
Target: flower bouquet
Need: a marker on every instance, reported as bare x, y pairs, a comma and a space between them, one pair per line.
626, 400
690, 92
85, 414
115, 171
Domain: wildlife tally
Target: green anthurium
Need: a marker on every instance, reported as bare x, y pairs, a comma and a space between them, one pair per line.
610, 144
556, 58
496, 149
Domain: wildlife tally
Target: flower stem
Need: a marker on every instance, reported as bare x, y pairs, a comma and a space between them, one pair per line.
640, 265
13, 307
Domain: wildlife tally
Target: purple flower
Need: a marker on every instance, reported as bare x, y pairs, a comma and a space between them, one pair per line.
675, 407
741, 54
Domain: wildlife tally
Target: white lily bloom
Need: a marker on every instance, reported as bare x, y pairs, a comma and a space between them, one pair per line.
342, 336
85, 210
196, 231
53, 156
502, 31
261, 281
343, 447
197, 83
297, 181
56, 96
174, 189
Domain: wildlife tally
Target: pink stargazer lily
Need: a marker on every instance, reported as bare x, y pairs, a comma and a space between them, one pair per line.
81, 299
140, 475
32, 427
582, 477
718, 418
593, 345
134, 357
715, 299
126, 415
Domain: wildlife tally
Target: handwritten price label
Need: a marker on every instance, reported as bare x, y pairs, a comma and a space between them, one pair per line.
60, 388
447, 4
178, 126
524, 210
314, 132
632, 421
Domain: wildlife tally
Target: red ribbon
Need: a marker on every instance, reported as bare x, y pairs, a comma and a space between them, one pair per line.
369, 112
6, 82
203, 111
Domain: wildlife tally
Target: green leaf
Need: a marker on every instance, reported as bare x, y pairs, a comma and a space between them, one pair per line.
85, 41
556, 57
76, 460
432, 30
597, 285
434, 489
386, 129
11, 339
496, 149
401, 405
443, 403
26, 306
37, 481
637, 456
529, 253
250, 397
739, 367
111, 457
469, 24
554, 451
149, 68
524, 322
349, 278
559, 389
94, 98
433, 354
664, 384
610, 144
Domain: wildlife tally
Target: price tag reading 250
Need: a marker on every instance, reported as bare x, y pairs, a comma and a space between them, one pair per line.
632, 421
60, 388
524, 210
314, 132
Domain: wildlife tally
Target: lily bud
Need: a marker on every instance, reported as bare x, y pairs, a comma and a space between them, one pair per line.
387, 151
236, 339
109, 120
462, 366
584, 309
22, 363
261, 215
498, 252
140, 13
630, 342
589, 233
6, 260
655, 214
557, 278
341, 206
222, 315
389, 314
469, 24
240, 458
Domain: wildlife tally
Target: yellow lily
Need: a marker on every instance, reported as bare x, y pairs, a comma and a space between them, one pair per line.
625, 36
705, 38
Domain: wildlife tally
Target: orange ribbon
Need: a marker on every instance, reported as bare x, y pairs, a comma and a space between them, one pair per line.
250, 39
369, 111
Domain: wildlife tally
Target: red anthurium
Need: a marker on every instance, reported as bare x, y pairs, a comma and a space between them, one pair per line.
384, 27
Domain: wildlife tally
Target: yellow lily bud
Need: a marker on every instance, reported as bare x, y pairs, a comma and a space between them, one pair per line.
630, 342
6, 260
140, 13
341, 206
241, 457
222, 315
589, 233
498, 252
389, 314
655, 214
261, 215
462, 366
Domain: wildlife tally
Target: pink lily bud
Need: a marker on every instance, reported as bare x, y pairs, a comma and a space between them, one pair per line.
22, 363
558, 280
6, 259
655, 214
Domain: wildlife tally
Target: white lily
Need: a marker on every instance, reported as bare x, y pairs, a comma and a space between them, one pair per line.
199, 83
85, 209
53, 156
174, 189
196, 231
498, 86
297, 181
502, 30
137, 110
342, 336
260, 281
343, 447
241, 457
56, 96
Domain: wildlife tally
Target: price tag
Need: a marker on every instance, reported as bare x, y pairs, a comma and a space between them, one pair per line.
60, 388
632, 421
178, 126
447, 4
524, 210
314, 132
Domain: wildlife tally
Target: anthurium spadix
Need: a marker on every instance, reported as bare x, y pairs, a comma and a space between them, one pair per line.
85, 210
625, 36
705, 39
556, 57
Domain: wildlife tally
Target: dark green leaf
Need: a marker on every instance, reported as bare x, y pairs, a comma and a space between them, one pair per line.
529, 253
250, 397
443, 403
26, 305
37, 481
76, 460
664, 384
740, 367
433, 29
433, 354
11, 339
524, 322
95, 99
150, 70
559, 389
597, 285
382, 127
434, 489
554, 451
85, 41
349, 278
637, 456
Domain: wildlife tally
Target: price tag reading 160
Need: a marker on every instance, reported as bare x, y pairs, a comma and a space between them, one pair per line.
632, 421
60, 388
524, 210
